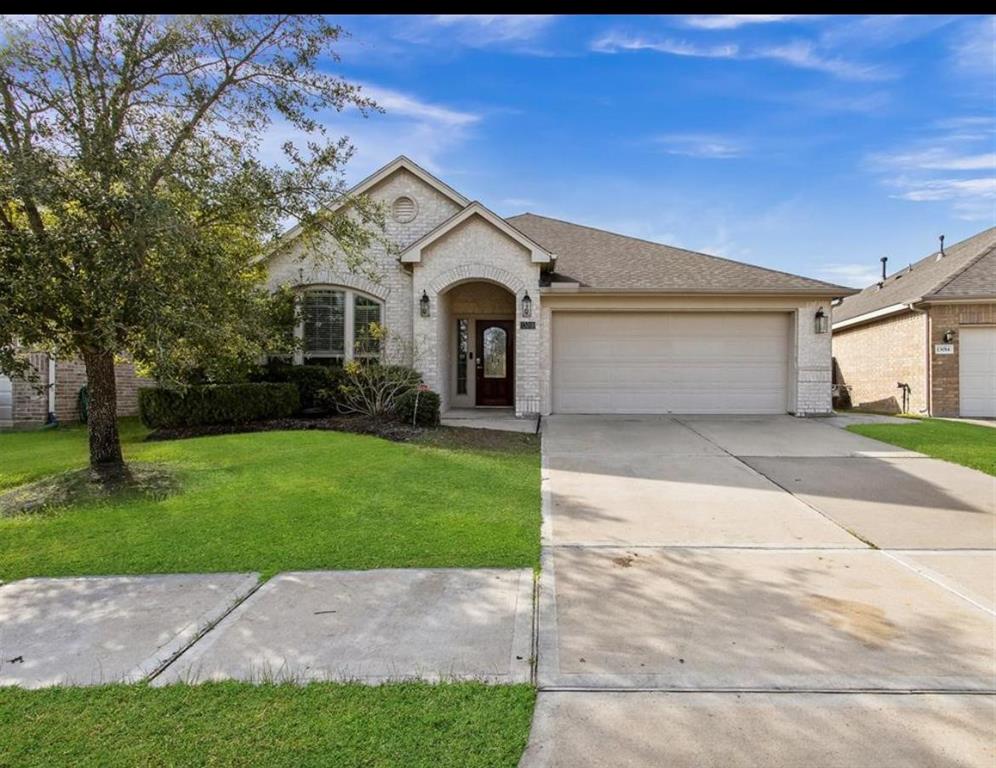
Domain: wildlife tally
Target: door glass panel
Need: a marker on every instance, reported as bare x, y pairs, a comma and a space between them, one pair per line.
463, 347
494, 353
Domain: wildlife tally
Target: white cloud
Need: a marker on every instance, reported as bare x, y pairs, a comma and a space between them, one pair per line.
735, 20
805, 56
974, 51
799, 54
406, 105
701, 145
482, 30
614, 43
952, 161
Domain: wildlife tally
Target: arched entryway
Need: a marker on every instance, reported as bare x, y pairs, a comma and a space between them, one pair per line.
477, 364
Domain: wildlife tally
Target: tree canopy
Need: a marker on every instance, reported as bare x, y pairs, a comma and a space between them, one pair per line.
135, 199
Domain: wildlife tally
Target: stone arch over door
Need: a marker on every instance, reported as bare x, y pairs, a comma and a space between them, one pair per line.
467, 272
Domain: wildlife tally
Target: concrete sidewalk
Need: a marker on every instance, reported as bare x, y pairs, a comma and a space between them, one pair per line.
368, 626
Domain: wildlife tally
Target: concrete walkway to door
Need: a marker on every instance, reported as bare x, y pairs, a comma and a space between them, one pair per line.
741, 591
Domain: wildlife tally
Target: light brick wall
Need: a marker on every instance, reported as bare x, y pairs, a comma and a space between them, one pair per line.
476, 251
944, 369
873, 358
31, 401
381, 275
812, 382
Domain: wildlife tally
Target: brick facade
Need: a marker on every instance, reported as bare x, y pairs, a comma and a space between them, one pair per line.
944, 369
872, 358
31, 400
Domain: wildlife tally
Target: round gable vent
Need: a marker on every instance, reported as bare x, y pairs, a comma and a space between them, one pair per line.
404, 209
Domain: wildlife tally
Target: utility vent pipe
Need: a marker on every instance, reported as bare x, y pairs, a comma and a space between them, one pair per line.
884, 259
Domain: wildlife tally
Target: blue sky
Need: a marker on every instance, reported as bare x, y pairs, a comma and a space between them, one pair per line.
809, 144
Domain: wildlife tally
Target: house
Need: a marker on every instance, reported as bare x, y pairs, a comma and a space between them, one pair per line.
54, 393
930, 326
545, 316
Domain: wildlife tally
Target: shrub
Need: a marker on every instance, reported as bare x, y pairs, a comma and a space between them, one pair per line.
216, 404
418, 407
310, 380
371, 389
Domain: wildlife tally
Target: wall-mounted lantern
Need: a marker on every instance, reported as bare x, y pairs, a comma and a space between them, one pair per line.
527, 306
949, 337
423, 305
822, 321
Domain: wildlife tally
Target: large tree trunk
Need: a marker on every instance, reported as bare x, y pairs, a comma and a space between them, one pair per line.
102, 420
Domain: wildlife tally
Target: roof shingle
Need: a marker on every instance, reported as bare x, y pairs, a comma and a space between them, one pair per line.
605, 261
967, 270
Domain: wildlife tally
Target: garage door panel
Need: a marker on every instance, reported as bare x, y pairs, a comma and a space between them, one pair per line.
977, 371
670, 362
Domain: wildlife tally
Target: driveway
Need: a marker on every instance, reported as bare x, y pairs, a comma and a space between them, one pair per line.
737, 591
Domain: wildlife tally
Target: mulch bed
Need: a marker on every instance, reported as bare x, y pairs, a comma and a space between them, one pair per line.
361, 425
440, 437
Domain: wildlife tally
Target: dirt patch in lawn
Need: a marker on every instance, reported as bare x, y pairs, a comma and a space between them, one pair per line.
456, 438
79, 486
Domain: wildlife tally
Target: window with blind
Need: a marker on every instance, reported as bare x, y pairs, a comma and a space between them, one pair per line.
336, 326
365, 312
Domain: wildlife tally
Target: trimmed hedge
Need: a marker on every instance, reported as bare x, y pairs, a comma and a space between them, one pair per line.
216, 404
421, 408
310, 380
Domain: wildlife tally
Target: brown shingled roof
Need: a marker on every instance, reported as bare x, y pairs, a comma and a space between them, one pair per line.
605, 261
967, 270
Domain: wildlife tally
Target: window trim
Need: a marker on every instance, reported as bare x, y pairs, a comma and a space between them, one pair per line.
349, 332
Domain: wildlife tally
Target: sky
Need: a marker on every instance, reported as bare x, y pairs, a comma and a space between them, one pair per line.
811, 144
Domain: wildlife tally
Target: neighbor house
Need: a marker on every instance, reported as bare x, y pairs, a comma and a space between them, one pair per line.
53, 392
930, 326
543, 316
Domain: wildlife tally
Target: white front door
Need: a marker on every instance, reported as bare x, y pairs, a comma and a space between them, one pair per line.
670, 362
977, 371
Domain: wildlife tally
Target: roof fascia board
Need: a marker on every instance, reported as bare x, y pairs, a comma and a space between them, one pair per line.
876, 314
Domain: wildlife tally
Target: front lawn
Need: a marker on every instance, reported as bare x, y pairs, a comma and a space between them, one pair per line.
463, 725
967, 444
277, 501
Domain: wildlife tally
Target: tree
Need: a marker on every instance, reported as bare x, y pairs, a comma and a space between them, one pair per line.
135, 202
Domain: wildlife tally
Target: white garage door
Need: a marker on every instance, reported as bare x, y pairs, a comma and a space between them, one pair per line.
6, 402
670, 362
977, 371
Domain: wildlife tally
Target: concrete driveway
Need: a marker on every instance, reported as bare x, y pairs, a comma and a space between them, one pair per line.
737, 591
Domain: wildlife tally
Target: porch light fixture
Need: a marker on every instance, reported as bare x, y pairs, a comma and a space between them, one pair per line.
423, 305
949, 336
822, 321
527, 306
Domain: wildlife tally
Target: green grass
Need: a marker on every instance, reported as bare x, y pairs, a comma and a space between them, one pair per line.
461, 725
967, 444
276, 501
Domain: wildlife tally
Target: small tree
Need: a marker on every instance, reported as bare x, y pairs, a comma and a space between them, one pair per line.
134, 203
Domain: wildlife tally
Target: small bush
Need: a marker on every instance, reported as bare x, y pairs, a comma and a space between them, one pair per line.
217, 404
371, 389
418, 407
310, 380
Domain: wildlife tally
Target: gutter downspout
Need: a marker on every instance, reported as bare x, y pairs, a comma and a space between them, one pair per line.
928, 378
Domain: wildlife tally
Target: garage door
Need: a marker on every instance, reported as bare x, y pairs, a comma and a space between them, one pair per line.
977, 371
6, 402
670, 362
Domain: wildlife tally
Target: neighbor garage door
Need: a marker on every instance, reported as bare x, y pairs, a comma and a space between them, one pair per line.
977, 366
687, 362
